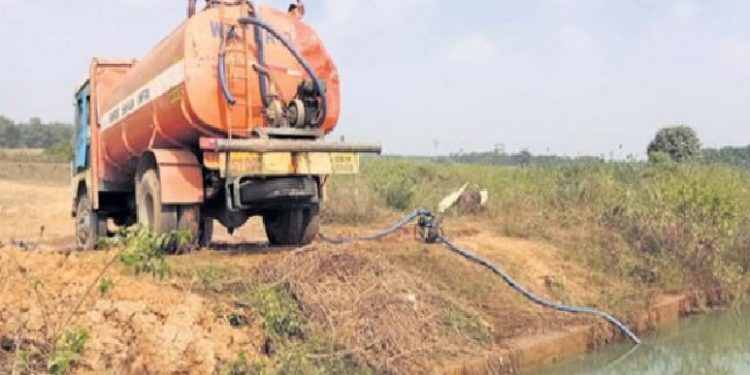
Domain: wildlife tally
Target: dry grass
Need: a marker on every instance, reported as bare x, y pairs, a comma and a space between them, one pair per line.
379, 314
35, 212
39, 173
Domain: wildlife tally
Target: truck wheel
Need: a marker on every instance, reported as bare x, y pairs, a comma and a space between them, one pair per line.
291, 226
89, 226
189, 220
151, 212
206, 232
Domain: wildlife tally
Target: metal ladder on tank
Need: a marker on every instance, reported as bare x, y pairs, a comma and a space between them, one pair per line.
231, 184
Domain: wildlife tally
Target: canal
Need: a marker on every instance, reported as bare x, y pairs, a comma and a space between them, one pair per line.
711, 344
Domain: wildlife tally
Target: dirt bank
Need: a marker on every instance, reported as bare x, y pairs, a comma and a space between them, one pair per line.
394, 306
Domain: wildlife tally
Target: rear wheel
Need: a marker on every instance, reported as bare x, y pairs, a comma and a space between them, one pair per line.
291, 226
151, 212
89, 226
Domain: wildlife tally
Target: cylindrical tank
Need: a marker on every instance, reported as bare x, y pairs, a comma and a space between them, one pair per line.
173, 96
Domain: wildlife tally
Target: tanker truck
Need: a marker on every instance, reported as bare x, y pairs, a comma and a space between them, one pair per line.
224, 119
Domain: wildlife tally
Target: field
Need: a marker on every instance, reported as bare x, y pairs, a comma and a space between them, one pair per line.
614, 236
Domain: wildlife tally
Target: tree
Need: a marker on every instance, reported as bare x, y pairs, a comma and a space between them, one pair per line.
681, 143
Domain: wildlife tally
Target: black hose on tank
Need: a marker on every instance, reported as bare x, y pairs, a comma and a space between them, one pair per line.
247, 20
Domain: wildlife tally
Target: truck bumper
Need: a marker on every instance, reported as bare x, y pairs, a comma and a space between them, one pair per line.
272, 157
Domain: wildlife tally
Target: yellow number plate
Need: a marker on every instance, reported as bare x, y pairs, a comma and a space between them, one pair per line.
345, 163
284, 163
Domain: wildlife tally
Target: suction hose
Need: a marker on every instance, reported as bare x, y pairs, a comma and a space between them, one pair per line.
249, 20
431, 234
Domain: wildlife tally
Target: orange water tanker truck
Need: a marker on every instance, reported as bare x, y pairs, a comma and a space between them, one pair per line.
222, 120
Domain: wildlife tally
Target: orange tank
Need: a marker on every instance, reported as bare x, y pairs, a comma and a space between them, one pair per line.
173, 96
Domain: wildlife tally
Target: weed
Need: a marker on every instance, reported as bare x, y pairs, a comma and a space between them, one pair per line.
667, 224
67, 351
395, 183
353, 201
105, 286
468, 324
241, 366
144, 251
210, 277
22, 361
317, 356
281, 314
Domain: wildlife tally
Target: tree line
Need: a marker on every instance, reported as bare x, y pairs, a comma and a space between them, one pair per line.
677, 143
670, 144
34, 134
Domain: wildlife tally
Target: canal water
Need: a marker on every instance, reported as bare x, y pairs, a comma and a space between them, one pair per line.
710, 344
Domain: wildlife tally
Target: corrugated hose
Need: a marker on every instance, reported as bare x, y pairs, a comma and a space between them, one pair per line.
430, 233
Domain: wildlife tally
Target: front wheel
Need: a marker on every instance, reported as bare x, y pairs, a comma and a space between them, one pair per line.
291, 226
89, 226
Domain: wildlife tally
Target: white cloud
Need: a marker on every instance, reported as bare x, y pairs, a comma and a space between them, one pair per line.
354, 17
683, 10
469, 50
733, 56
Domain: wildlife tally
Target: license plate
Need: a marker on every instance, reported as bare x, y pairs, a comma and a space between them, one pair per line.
345, 163
320, 163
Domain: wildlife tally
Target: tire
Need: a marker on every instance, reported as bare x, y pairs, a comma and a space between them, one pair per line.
89, 226
292, 226
151, 213
206, 232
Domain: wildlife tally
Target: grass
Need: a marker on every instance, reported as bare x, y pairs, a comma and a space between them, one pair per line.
667, 225
67, 351
291, 349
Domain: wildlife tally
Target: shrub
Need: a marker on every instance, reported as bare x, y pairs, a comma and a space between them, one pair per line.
395, 183
351, 200
143, 250
282, 318
68, 350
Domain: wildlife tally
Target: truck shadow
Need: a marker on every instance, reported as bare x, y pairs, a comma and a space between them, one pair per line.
255, 248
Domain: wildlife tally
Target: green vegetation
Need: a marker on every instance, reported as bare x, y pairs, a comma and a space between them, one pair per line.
282, 318
67, 351
34, 134
105, 286
143, 250
737, 156
291, 349
673, 225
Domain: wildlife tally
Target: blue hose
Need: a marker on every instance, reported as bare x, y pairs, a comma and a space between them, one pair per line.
223, 80
223, 70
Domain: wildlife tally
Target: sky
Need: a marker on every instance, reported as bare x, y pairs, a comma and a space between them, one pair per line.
427, 77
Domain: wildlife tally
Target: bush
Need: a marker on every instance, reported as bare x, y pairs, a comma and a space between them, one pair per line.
67, 351
668, 223
351, 200
143, 250
395, 184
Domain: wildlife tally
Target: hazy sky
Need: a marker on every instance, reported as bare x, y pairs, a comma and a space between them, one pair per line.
436, 76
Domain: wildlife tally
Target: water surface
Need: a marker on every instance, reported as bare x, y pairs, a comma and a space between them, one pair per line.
710, 344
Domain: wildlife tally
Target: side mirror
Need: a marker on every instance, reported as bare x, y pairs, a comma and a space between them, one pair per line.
191, 8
